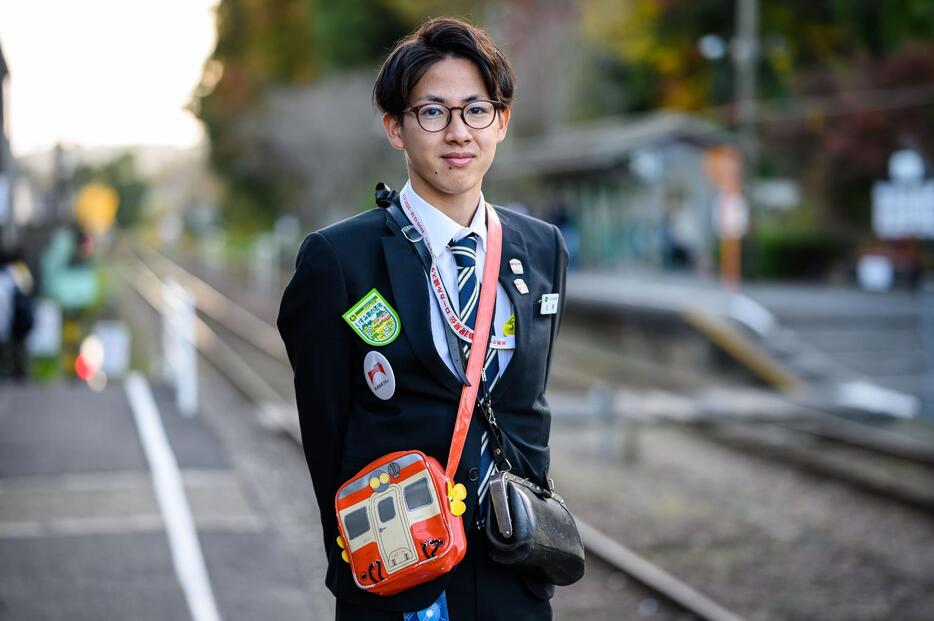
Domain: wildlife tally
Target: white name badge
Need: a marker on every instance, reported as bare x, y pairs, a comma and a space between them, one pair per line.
378, 375
549, 303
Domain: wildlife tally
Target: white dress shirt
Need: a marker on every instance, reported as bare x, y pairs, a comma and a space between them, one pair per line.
439, 231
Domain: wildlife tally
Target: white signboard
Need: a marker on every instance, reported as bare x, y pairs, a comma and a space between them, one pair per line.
875, 273
731, 217
904, 207
45, 338
115, 341
903, 210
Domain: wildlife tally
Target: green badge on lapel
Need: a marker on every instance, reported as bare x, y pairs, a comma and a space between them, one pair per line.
374, 319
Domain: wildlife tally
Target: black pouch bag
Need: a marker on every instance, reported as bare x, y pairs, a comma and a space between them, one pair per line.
527, 526
531, 529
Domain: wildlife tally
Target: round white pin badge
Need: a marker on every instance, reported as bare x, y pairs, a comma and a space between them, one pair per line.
378, 375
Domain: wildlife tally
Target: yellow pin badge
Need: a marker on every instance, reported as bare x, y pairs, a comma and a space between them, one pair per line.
374, 320
456, 495
340, 544
509, 328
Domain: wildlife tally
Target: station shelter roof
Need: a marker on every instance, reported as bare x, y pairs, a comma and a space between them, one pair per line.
604, 143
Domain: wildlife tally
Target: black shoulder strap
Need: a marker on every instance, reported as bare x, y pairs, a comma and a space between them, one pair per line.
400, 225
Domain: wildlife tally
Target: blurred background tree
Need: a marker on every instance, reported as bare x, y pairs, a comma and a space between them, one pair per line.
286, 73
259, 44
818, 62
272, 67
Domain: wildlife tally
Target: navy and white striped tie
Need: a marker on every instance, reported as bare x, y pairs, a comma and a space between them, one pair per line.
468, 288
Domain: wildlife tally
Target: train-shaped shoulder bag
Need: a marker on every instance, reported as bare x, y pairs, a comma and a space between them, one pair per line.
400, 516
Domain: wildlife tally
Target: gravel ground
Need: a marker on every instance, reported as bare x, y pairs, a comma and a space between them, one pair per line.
762, 540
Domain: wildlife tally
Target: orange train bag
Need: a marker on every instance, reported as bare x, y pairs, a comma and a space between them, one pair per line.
396, 524
400, 517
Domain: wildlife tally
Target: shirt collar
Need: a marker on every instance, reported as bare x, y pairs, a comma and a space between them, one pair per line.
439, 228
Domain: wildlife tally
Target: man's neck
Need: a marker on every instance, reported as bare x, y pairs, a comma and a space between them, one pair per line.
460, 207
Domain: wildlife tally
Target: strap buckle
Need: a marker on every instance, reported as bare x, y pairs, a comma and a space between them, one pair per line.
415, 237
500, 501
499, 458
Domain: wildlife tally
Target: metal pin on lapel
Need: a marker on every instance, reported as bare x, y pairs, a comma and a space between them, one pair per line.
516, 266
521, 286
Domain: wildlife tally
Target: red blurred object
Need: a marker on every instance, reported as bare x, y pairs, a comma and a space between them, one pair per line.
82, 369
86, 246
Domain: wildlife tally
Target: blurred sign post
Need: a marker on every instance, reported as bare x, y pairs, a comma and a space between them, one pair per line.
179, 353
600, 400
96, 208
724, 167
114, 337
265, 262
213, 253
927, 345
904, 206
6, 208
45, 338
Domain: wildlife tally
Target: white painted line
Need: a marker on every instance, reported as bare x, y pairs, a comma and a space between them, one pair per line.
170, 493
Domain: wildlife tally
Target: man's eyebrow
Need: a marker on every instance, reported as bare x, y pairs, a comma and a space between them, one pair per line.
442, 100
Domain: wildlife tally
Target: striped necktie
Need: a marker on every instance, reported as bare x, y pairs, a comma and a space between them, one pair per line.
468, 290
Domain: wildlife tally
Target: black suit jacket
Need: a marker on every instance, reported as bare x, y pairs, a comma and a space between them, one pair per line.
345, 426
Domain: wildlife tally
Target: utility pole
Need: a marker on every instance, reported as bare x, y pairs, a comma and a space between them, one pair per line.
746, 59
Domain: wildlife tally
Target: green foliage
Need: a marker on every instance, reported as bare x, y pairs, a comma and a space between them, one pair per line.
828, 48
260, 44
639, 55
268, 44
797, 254
795, 37
412, 12
355, 34
658, 42
121, 174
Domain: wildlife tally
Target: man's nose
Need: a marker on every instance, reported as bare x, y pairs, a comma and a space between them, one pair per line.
457, 130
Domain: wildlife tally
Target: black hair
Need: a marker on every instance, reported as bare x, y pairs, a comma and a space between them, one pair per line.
434, 40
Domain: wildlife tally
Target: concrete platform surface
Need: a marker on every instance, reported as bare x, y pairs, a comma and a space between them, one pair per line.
82, 535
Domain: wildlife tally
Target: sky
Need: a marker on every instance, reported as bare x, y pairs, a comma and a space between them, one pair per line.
103, 73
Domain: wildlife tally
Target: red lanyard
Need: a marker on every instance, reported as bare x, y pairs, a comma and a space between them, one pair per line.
480, 337
463, 332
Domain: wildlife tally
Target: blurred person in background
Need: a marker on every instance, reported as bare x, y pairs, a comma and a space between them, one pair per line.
17, 314
445, 93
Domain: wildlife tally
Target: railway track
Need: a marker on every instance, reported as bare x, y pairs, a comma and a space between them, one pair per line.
241, 346
862, 453
247, 350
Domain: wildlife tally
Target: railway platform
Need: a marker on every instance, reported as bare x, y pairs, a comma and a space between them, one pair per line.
706, 476
114, 506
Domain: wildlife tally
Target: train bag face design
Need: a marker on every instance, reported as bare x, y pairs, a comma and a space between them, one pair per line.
396, 525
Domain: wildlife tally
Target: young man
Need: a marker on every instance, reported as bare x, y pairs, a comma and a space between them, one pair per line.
445, 93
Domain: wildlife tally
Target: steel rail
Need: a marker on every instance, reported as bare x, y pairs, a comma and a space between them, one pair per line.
274, 412
259, 333
210, 301
651, 575
249, 382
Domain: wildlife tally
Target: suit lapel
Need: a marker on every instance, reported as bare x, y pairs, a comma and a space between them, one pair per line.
514, 248
410, 292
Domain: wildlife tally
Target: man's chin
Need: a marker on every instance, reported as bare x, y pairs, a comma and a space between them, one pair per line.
455, 187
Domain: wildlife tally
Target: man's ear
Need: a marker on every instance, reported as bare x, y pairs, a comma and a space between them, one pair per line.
503, 124
393, 128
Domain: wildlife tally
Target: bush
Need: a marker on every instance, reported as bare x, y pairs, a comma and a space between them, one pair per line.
796, 254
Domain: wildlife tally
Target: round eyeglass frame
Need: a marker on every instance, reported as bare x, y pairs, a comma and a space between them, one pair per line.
497, 106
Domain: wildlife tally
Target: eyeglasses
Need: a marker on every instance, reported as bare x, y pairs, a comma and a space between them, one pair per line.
434, 117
